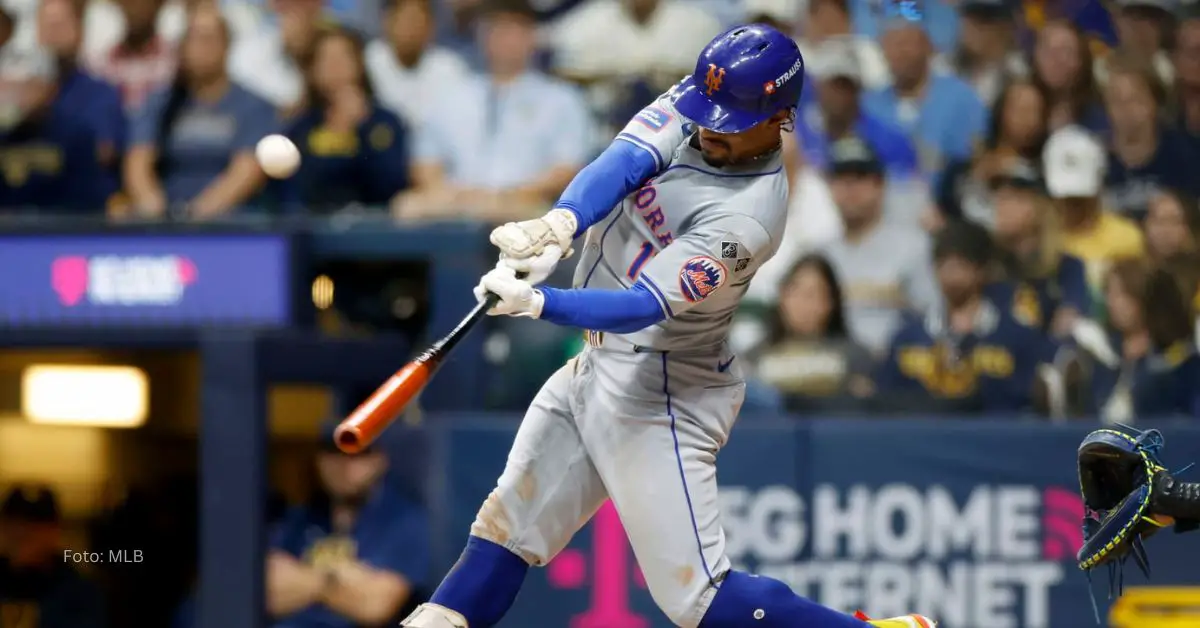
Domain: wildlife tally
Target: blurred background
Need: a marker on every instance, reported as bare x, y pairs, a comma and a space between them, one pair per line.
992, 249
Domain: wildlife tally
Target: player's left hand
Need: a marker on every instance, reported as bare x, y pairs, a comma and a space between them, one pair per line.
517, 296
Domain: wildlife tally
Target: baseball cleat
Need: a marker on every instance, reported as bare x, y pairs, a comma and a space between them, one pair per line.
907, 621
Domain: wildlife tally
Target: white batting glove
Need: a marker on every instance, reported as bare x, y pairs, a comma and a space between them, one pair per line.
517, 296
528, 238
538, 268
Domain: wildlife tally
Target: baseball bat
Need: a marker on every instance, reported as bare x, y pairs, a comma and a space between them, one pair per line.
388, 402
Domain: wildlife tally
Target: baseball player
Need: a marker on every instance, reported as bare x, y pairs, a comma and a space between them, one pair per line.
679, 212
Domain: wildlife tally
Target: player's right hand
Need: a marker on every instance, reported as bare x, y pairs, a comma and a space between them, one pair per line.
529, 238
534, 269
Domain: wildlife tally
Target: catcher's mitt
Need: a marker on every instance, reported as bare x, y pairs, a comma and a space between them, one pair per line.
1128, 495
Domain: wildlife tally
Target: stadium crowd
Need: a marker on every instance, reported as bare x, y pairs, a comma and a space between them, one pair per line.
993, 210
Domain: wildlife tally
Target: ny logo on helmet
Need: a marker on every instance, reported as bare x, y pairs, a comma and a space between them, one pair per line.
714, 79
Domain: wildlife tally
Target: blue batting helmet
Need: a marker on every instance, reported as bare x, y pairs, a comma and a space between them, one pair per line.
742, 77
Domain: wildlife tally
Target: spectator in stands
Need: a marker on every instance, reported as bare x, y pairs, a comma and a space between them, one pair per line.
81, 95
192, 145
1145, 154
1062, 62
1145, 31
353, 150
1187, 75
49, 154
970, 356
1016, 132
407, 69
502, 145
829, 20
355, 555
872, 19
655, 41
1143, 363
808, 354
1038, 285
269, 63
1074, 163
105, 25
37, 586
938, 111
986, 54
837, 114
143, 61
1172, 228
884, 269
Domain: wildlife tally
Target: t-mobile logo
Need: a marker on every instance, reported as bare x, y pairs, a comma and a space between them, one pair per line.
613, 575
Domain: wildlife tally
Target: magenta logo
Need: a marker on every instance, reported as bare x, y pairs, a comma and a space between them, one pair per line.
121, 280
1062, 516
69, 279
610, 571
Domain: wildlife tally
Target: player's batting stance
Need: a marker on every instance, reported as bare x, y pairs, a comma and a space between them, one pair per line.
679, 212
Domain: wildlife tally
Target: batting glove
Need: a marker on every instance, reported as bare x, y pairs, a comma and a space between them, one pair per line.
517, 296
529, 238
534, 269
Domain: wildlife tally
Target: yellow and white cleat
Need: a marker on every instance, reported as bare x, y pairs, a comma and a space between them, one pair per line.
907, 621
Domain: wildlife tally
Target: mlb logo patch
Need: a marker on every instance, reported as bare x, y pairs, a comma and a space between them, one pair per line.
653, 118
741, 265
700, 277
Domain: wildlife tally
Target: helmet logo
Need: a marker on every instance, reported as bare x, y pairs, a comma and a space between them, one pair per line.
769, 88
715, 77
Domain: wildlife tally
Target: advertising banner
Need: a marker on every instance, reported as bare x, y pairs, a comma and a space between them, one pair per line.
145, 280
973, 523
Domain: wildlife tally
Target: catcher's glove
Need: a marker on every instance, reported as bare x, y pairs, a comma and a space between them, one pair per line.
1128, 495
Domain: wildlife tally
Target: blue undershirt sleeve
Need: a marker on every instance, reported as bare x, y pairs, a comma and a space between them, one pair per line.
614, 311
611, 176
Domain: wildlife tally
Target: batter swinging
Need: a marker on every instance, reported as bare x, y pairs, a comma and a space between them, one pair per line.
679, 211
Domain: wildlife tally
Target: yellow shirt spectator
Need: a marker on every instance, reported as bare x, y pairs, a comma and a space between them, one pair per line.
1074, 162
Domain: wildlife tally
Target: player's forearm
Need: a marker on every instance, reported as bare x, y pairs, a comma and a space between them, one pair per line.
593, 193
614, 311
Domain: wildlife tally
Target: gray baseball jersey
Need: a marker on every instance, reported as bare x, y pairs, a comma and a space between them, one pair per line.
694, 234
638, 418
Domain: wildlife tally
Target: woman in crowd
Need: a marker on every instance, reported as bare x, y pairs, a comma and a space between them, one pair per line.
1017, 131
808, 354
353, 150
1038, 284
1172, 227
1062, 68
192, 145
1143, 362
1146, 152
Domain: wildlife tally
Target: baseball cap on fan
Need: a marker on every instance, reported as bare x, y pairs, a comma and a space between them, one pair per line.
854, 156
1074, 162
989, 10
837, 58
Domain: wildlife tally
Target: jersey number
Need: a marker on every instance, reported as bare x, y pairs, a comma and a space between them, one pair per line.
647, 251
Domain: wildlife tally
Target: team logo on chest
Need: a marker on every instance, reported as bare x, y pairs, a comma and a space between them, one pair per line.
700, 277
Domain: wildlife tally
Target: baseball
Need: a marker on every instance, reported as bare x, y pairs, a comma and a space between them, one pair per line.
277, 156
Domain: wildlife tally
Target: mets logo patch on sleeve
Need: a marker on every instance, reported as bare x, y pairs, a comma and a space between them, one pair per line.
653, 117
700, 277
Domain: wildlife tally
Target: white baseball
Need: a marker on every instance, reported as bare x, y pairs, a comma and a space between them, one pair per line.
277, 156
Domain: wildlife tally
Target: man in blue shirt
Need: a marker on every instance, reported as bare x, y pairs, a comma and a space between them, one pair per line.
48, 156
92, 101
39, 585
353, 556
836, 114
938, 111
